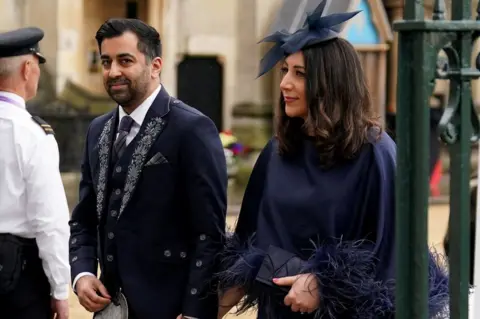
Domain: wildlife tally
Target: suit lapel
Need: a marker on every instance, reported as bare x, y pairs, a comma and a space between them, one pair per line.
105, 143
150, 130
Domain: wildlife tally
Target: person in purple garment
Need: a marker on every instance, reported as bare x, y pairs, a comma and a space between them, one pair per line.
315, 237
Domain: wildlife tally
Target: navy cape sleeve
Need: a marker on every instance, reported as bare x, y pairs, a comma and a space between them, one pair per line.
356, 274
356, 278
240, 259
247, 219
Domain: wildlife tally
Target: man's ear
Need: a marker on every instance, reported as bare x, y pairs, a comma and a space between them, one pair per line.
157, 64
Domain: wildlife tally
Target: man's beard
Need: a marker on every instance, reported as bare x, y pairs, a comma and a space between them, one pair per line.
128, 94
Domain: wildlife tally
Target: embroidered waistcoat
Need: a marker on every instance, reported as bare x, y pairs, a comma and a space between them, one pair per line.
116, 185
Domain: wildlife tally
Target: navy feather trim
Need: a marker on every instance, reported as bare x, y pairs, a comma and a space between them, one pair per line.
240, 262
438, 298
346, 272
348, 288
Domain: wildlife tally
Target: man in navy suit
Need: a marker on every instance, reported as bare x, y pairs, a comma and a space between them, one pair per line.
152, 204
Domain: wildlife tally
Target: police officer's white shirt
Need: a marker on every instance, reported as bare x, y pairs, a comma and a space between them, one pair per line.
32, 197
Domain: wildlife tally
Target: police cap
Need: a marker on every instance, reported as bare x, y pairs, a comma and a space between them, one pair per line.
21, 42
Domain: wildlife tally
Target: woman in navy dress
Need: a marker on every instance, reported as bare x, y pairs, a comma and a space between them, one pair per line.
321, 194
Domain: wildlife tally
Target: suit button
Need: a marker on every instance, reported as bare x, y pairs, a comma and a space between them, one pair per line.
167, 253
74, 241
183, 254
199, 263
110, 235
74, 258
113, 213
118, 192
118, 169
1, 267
109, 258
193, 291
203, 237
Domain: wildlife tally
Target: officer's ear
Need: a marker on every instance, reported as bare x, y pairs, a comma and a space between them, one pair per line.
27, 68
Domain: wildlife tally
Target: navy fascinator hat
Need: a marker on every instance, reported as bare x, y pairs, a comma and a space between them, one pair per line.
316, 29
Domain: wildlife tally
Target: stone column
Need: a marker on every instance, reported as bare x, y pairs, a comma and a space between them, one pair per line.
12, 14
252, 112
155, 14
246, 64
394, 10
44, 14
73, 45
170, 43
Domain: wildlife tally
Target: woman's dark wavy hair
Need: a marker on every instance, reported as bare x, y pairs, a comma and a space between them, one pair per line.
340, 112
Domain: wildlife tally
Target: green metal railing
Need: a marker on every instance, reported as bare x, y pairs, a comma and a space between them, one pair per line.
420, 42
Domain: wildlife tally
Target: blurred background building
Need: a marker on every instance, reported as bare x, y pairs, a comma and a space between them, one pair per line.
210, 56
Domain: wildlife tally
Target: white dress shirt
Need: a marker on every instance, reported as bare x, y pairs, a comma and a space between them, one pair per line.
138, 115
32, 197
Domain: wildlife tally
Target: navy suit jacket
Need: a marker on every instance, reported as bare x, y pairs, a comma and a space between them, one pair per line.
171, 221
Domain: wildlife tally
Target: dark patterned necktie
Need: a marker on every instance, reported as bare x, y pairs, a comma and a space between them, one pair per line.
123, 130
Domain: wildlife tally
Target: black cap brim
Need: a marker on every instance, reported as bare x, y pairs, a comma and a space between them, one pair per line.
20, 42
41, 58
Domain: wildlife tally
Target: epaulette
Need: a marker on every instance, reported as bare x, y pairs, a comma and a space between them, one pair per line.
44, 125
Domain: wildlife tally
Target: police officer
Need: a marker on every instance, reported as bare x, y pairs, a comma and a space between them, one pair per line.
34, 232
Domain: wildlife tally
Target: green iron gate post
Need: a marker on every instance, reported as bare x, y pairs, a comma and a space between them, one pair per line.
420, 41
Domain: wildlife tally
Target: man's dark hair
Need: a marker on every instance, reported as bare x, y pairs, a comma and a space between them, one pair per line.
149, 42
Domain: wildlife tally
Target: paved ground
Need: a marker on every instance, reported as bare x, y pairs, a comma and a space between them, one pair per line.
437, 225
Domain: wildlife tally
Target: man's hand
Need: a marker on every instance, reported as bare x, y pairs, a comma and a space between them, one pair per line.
303, 295
60, 309
92, 294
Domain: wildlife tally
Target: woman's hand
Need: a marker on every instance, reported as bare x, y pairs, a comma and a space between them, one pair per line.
303, 295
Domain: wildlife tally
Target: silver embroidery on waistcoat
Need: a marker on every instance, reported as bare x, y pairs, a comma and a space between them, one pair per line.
103, 155
148, 137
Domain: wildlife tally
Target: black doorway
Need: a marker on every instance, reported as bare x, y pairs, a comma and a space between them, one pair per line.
200, 85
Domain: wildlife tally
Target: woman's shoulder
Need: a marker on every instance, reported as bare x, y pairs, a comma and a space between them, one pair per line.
265, 154
272, 142
382, 143
270, 147
384, 150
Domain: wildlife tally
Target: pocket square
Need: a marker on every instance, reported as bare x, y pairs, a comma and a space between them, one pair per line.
156, 159
278, 263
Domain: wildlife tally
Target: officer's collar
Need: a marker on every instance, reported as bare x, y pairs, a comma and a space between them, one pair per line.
16, 99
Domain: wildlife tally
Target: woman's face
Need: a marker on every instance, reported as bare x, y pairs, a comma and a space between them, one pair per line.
293, 85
